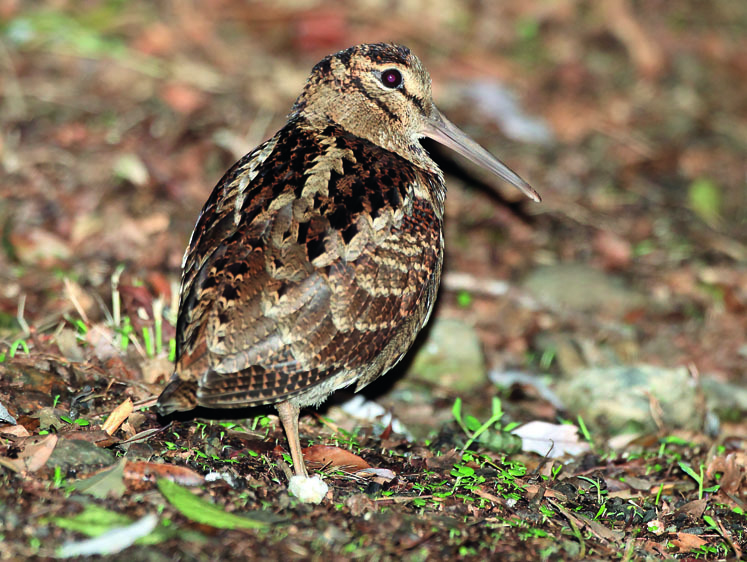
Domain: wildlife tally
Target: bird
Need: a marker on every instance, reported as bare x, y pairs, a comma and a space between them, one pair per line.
317, 257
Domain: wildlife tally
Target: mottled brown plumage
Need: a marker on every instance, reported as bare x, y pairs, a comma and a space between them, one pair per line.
316, 260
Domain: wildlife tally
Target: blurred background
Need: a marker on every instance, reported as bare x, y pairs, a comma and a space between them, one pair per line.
630, 118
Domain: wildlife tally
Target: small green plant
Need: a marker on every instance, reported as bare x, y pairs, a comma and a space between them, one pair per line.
547, 358
79, 421
260, 421
595, 485
658, 495
13, 349
58, 479
126, 333
546, 511
471, 425
698, 477
601, 511
466, 476
464, 299
584, 430
153, 343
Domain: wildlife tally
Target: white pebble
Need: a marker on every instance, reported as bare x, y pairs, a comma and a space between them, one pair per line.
308, 489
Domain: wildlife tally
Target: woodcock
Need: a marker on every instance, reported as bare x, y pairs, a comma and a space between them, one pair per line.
316, 260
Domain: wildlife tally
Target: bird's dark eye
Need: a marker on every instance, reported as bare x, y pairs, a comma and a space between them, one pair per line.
391, 78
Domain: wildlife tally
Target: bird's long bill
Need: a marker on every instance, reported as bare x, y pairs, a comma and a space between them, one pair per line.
440, 129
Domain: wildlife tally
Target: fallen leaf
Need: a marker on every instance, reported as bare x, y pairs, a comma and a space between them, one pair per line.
143, 471
694, 508
15, 430
155, 368
130, 167
202, 511
111, 542
155, 39
616, 252
379, 475
595, 527
5, 416
183, 98
329, 456
443, 462
643, 48
551, 440
685, 542
97, 436
101, 339
106, 483
118, 415
479, 491
656, 527
36, 454
533, 489
358, 504
636, 483
733, 469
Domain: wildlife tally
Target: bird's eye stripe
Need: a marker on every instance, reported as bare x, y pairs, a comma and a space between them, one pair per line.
415, 100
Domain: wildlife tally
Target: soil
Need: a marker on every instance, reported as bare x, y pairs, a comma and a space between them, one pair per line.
630, 119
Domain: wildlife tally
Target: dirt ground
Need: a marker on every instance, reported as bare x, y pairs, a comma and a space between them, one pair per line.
614, 311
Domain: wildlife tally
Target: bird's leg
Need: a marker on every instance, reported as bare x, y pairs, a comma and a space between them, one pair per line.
288, 413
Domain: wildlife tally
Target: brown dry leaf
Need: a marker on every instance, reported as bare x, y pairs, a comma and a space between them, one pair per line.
160, 284
483, 493
443, 463
101, 339
686, 542
656, 527
156, 368
627, 494
615, 251
99, 437
733, 469
143, 471
136, 296
156, 39
595, 527
379, 475
16, 430
35, 454
658, 548
182, 98
39, 246
643, 49
694, 508
572, 121
119, 415
533, 490
71, 134
637, 483
358, 504
329, 456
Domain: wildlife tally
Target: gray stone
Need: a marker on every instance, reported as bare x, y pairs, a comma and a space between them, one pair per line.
451, 356
619, 398
580, 288
79, 455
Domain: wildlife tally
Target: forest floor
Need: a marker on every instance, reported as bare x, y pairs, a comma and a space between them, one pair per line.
615, 311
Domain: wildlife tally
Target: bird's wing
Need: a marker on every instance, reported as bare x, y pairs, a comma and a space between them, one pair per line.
310, 259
